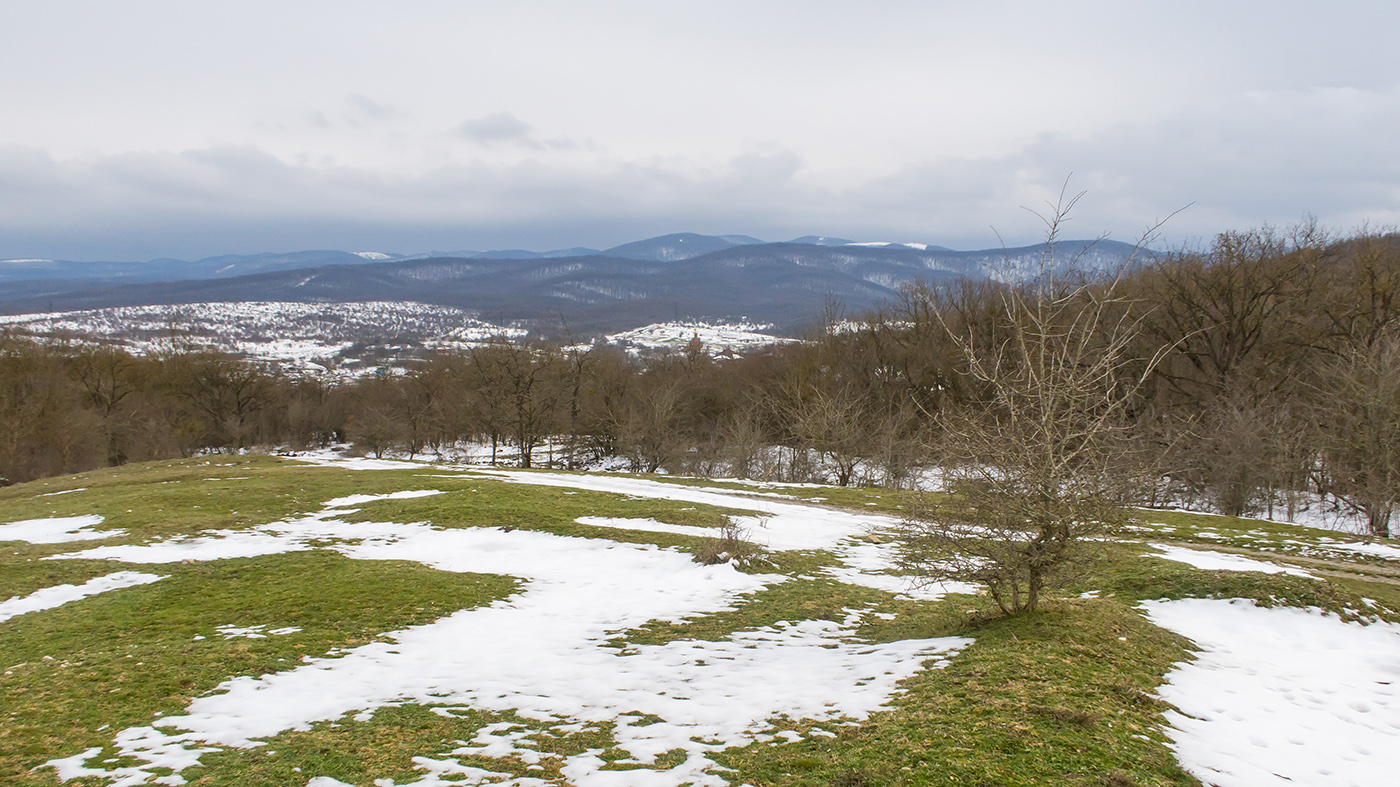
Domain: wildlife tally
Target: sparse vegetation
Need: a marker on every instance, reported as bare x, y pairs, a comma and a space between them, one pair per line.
1064, 697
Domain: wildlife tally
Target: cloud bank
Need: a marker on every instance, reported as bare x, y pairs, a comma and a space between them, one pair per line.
543, 126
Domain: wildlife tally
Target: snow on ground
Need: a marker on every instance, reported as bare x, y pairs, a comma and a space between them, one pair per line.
63, 492
1310, 510
715, 338
778, 525
327, 334
1211, 560
58, 595
326, 459
1375, 550
355, 500
869, 565
577, 594
1282, 695
56, 530
253, 632
212, 545
647, 524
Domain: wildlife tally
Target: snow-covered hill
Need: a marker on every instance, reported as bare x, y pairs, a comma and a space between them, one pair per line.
343, 338
728, 337
346, 338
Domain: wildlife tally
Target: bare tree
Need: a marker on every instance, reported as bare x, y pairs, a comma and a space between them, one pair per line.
649, 432
225, 393
835, 425
519, 388
1359, 420
1039, 471
744, 441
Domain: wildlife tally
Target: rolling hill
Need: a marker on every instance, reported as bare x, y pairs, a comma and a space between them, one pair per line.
786, 284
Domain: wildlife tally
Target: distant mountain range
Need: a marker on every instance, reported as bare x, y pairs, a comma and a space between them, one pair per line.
679, 276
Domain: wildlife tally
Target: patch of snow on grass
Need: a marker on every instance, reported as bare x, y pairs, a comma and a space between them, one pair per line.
776, 525
1210, 560
1375, 550
355, 500
213, 545
1282, 695
253, 632
648, 524
578, 594
869, 565
58, 595
63, 492
357, 462
57, 530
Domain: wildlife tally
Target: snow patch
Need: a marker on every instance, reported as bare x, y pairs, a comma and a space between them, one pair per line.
649, 525
1282, 695
355, 500
58, 595
57, 530
253, 632
1210, 560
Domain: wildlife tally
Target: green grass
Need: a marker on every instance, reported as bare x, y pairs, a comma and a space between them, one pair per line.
1062, 697
116, 660
1054, 698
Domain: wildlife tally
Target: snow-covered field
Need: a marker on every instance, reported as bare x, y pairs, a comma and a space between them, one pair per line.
1274, 696
578, 593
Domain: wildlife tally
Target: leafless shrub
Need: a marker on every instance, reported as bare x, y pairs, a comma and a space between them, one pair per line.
732, 545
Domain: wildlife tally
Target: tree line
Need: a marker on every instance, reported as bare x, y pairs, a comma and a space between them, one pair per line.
1259, 371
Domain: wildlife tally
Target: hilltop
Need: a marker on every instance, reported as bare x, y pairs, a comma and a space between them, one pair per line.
326, 621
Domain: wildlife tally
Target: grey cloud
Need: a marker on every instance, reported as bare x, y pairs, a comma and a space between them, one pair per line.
365, 107
1279, 157
497, 128
768, 166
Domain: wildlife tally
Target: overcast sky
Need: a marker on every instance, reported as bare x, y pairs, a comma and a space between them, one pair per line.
141, 129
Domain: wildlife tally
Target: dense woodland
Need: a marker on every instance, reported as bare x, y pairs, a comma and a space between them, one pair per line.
1261, 369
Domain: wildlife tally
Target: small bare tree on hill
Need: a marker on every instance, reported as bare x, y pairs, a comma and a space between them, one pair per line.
1040, 470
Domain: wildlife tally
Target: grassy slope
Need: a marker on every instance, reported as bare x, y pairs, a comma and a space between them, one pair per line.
1061, 698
